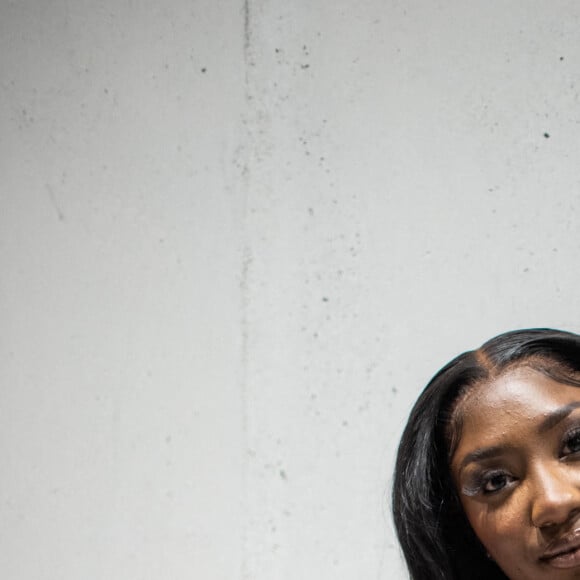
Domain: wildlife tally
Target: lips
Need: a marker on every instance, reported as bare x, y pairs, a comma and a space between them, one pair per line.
563, 552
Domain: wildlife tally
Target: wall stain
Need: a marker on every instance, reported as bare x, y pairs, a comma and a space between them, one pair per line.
55, 204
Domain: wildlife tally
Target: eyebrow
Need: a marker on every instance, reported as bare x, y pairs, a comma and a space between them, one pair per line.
549, 422
481, 454
553, 418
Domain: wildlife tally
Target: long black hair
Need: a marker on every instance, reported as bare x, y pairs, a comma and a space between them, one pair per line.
437, 540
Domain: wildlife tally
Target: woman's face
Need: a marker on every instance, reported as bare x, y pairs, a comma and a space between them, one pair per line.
517, 471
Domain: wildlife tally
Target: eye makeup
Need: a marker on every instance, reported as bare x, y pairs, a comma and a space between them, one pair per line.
571, 442
487, 482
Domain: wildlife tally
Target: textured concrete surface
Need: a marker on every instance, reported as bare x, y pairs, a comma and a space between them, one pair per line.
236, 239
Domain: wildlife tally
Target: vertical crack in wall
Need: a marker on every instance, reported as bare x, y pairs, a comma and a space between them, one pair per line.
252, 155
244, 287
245, 151
247, 36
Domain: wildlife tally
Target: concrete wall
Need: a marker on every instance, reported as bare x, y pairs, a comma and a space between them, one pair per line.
236, 240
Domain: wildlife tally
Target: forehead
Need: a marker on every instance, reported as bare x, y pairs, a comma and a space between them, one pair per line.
517, 400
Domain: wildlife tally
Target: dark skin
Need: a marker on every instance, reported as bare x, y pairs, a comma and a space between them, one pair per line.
517, 473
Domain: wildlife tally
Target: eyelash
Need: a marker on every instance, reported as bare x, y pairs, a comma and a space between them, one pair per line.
572, 436
485, 478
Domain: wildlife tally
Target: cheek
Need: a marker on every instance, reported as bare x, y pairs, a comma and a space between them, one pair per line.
500, 530
503, 534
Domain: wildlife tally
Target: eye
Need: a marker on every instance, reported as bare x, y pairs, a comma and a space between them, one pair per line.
495, 481
489, 482
571, 443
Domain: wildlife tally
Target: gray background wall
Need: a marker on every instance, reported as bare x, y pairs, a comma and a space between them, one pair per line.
236, 240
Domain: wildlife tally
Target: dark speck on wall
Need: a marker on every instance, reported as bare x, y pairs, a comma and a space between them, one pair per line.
204, 70
547, 135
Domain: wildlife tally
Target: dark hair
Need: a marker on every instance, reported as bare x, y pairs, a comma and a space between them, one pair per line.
437, 540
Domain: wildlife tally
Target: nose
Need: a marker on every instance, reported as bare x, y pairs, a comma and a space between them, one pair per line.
556, 495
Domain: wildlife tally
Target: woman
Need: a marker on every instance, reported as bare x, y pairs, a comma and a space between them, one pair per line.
487, 477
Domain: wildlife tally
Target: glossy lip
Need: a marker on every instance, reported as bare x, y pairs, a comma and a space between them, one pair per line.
563, 552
